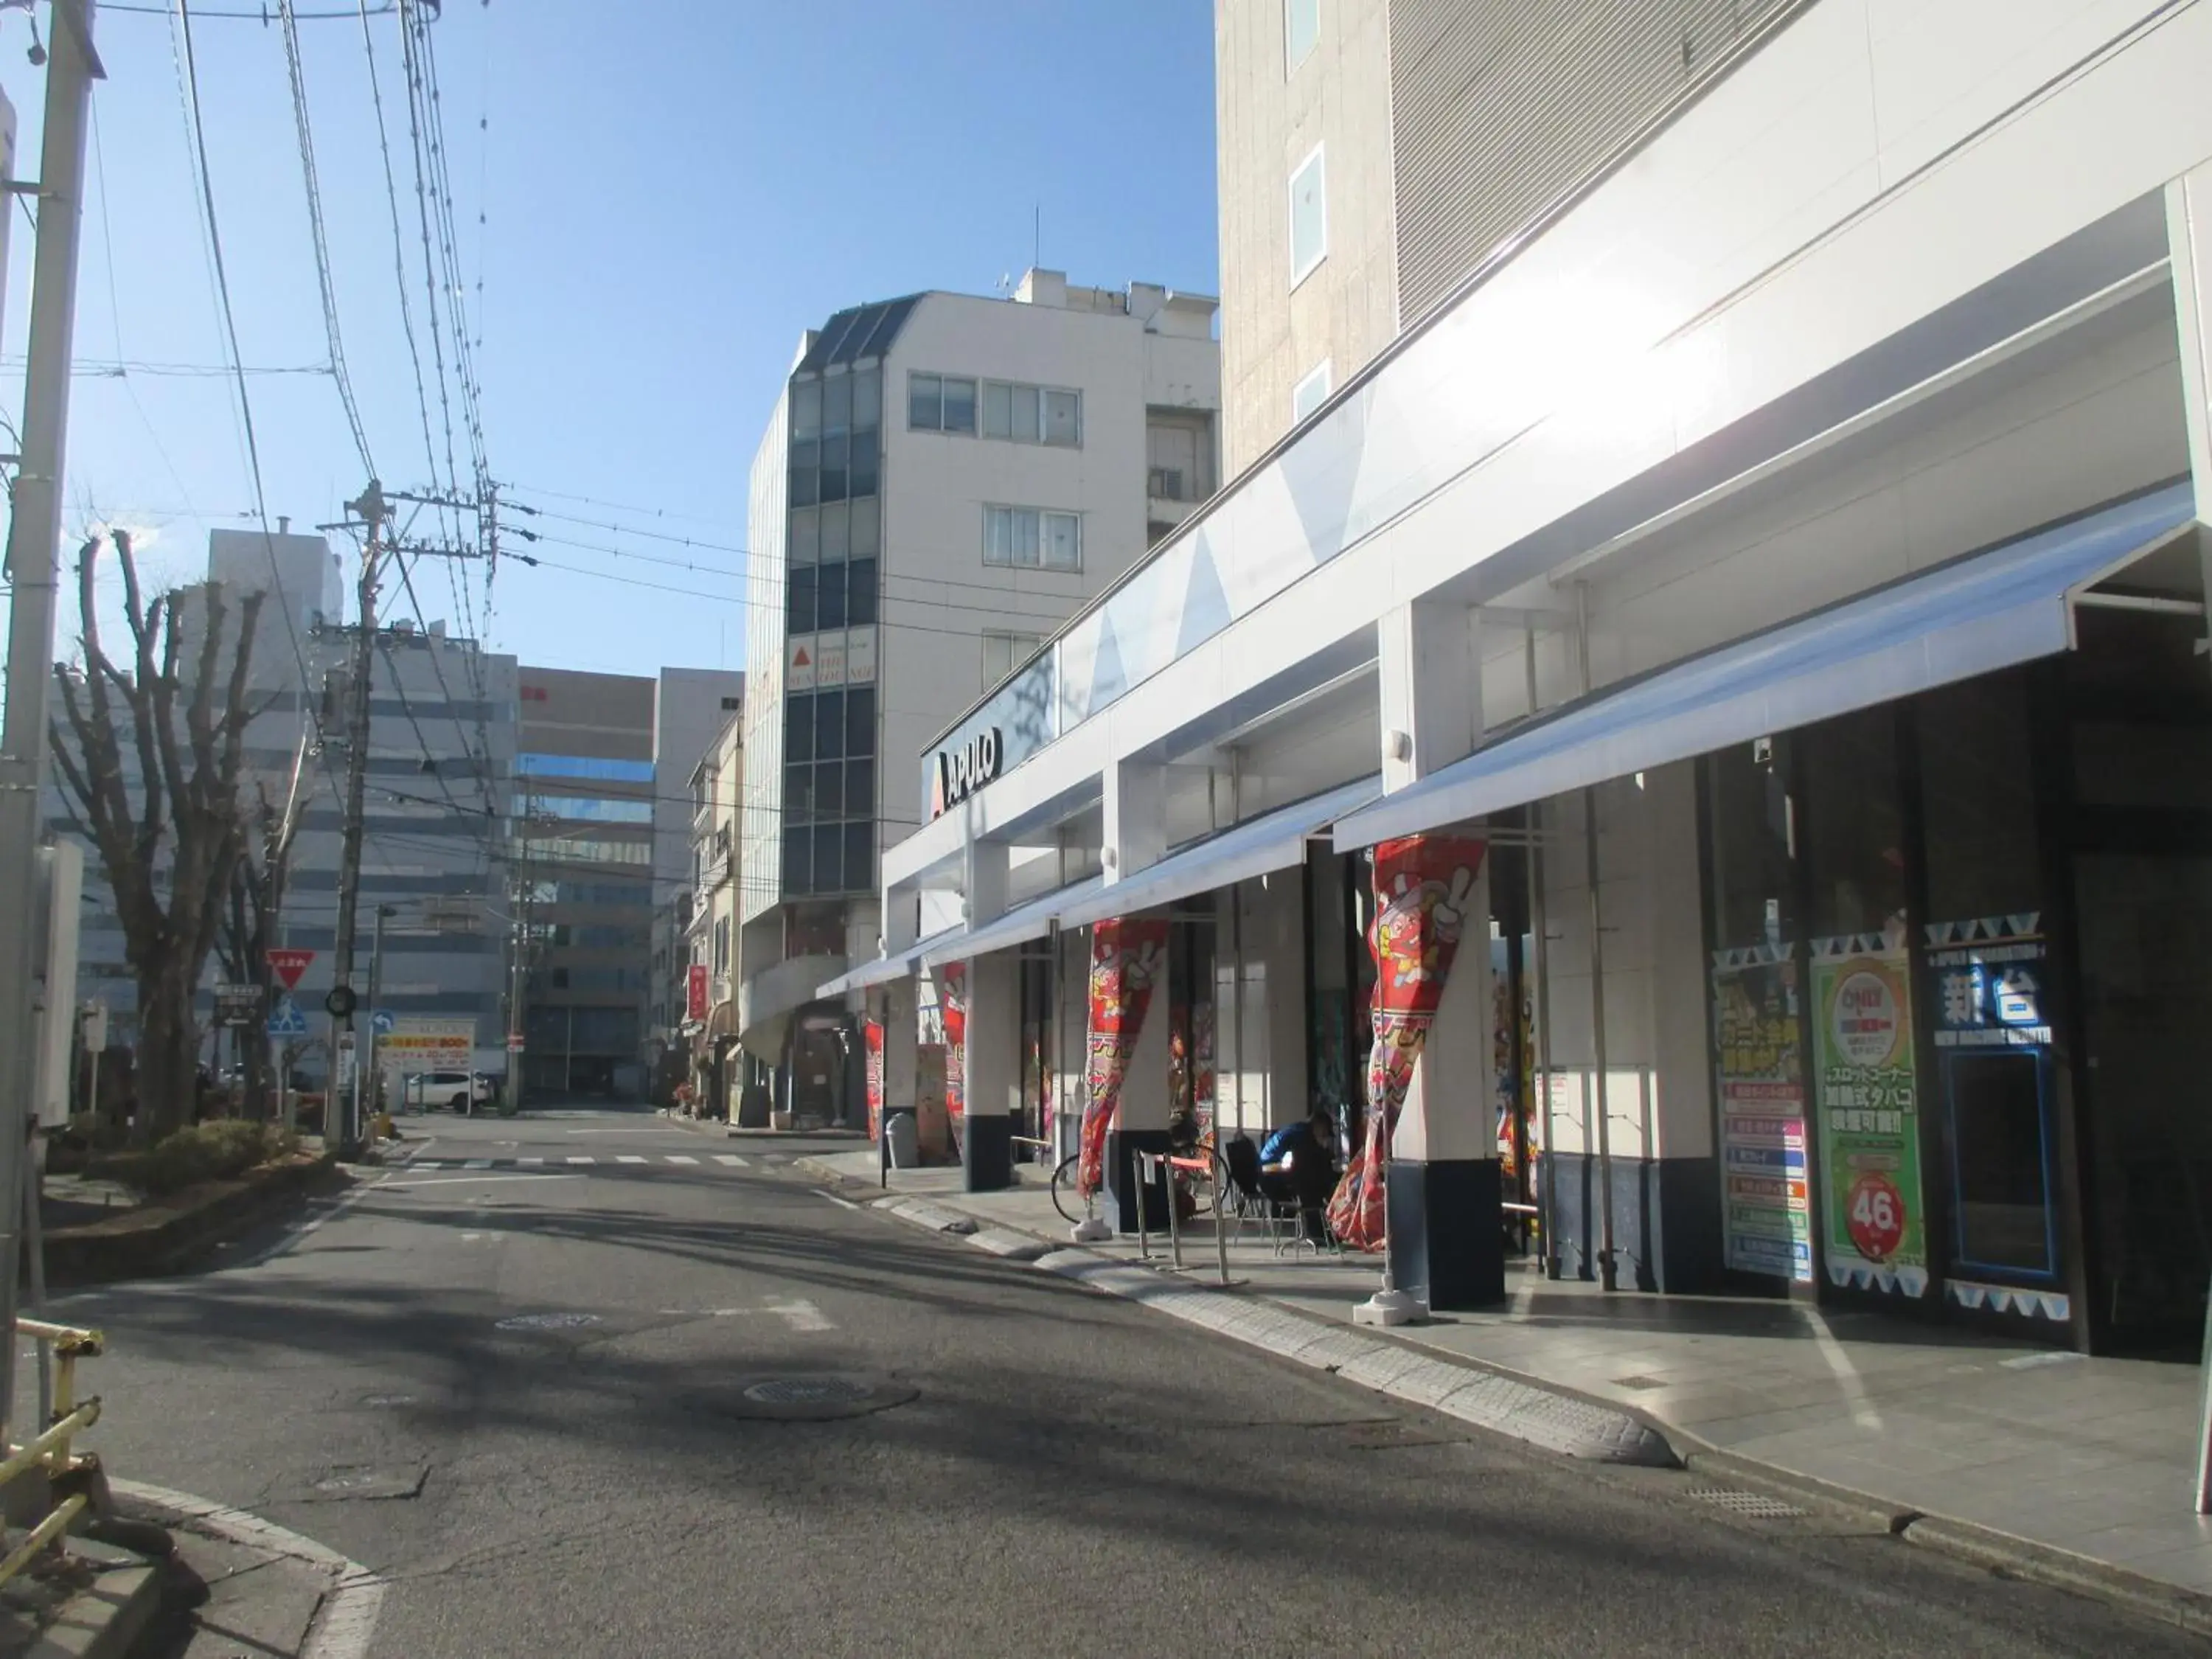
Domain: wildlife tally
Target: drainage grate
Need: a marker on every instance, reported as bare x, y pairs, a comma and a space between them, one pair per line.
1754, 1506
809, 1391
548, 1321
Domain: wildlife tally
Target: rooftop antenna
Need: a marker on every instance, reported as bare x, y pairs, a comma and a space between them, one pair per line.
1036, 234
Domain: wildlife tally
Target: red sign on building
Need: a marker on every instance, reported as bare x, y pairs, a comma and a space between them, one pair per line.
694, 1002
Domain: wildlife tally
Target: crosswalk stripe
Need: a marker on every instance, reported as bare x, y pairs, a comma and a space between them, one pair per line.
679, 1158
731, 1158
575, 1160
628, 1157
530, 1160
477, 1164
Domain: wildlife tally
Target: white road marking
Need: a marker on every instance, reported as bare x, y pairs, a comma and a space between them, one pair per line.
847, 1202
347, 1618
599, 1132
801, 1315
474, 1180
731, 1159
1854, 1387
477, 1164
530, 1160
582, 1160
679, 1158
628, 1157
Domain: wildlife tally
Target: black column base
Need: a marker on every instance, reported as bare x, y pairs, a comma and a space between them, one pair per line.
1446, 1242
986, 1153
1121, 1193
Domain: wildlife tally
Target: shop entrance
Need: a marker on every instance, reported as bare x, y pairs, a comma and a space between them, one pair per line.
2144, 927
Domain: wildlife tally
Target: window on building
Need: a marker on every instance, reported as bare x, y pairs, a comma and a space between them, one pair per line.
722, 946
806, 409
861, 593
866, 533
860, 720
584, 766
1063, 418
830, 597
828, 725
959, 406
1301, 31
805, 472
1310, 392
837, 458
803, 545
1308, 217
925, 403
798, 726
1002, 650
585, 809
1033, 538
799, 598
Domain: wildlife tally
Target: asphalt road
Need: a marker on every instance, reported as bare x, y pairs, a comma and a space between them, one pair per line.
1072, 1475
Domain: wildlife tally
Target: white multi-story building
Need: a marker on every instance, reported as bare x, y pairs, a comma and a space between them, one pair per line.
1757, 503
945, 479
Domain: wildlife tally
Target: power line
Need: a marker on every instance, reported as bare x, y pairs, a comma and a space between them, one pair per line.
288, 16
189, 68
613, 507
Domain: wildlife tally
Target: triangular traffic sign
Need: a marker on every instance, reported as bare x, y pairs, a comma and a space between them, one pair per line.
288, 965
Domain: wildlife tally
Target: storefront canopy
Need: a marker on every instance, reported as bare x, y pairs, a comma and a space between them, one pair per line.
885, 969
1274, 840
2009, 604
1017, 926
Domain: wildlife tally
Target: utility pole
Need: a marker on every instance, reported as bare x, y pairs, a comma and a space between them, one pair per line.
371, 510
33, 531
375, 997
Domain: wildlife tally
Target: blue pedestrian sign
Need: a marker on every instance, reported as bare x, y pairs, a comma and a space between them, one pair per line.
285, 1020
381, 1022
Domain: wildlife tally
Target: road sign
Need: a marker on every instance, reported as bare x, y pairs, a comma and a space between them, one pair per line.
429, 1045
95, 1026
288, 965
341, 1002
285, 1020
237, 1005
514, 1042
380, 1022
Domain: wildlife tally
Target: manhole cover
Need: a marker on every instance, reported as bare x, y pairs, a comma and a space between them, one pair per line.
366, 1480
548, 1321
809, 1391
1753, 1505
820, 1398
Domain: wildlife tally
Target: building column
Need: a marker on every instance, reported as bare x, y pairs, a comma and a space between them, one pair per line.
2189, 243
993, 1071
1446, 1242
1260, 1025
1135, 814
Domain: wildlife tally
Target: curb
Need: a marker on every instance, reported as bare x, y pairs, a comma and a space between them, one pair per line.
1527, 1409
1540, 1416
77, 1257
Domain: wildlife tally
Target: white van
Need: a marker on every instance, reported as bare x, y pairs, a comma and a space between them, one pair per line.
464, 1091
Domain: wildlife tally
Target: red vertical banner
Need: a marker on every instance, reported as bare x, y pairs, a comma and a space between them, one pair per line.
1421, 888
872, 1037
1127, 958
695, 992
952, 1009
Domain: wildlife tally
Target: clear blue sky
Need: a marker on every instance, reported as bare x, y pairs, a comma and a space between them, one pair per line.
670, 192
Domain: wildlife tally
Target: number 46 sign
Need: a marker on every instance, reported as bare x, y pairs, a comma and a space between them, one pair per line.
1875, 1217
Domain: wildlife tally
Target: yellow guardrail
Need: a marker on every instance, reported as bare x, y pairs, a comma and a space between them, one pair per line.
60, 1346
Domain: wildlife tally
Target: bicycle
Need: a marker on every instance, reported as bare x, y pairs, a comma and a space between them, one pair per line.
1070, 1202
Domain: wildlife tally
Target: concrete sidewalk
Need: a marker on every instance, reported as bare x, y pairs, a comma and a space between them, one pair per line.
2082, 1461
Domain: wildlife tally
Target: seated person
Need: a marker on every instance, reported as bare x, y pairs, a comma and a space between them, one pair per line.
1298, 1165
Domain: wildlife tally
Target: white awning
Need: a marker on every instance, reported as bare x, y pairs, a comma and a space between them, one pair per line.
1274, 841
1018, 926
2011, 603
894, 965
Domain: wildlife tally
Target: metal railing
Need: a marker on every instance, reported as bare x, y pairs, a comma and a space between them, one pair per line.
60, 1346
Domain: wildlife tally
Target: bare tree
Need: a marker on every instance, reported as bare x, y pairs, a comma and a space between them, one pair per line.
169, 844
249, 920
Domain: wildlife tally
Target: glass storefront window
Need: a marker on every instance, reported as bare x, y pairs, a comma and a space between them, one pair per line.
1977, 800
1754, 828
1854, 824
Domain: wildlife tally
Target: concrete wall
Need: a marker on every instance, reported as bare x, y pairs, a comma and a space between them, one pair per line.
1268, 120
